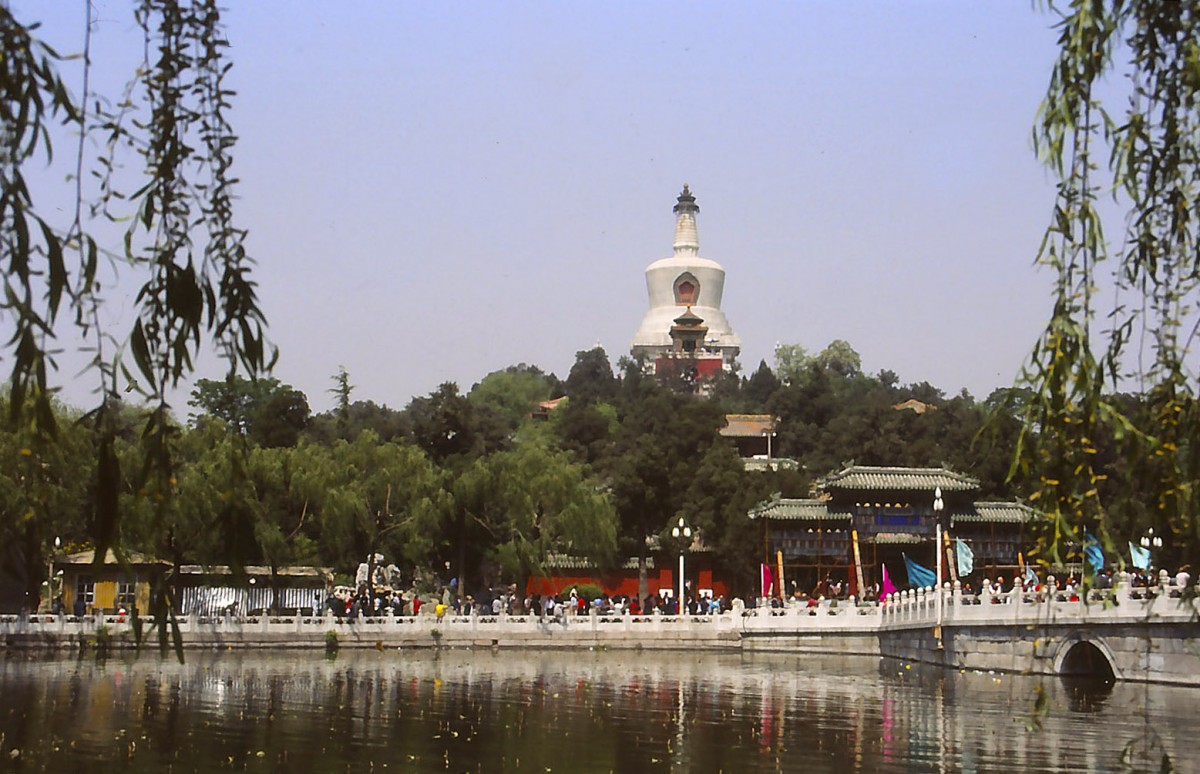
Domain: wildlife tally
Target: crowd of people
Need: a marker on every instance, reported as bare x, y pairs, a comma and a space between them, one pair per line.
368, 602
1031, 585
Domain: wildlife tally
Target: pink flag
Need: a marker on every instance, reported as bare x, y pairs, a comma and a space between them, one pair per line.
888, 587
767, 584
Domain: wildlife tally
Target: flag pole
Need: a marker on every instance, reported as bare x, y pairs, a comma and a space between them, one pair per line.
938, 507
939, 579
782, 588
950, 558
858, 572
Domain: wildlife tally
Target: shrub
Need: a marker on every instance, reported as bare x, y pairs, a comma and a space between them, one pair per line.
588, 591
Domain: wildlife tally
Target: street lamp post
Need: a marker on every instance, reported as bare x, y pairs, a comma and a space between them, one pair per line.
1151, 541
50, 574
938, 508
685, 532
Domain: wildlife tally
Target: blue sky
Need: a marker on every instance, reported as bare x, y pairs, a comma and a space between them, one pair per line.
434, 191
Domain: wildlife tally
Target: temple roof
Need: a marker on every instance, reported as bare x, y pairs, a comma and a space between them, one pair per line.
863, 478
749, 425
1006, 513
787, 509
689, 319
110, 558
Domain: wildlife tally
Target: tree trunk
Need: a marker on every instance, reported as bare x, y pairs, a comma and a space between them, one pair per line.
274, 588
643, 582
460, 570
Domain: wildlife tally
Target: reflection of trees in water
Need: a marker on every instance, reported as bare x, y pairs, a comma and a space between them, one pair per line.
608, 711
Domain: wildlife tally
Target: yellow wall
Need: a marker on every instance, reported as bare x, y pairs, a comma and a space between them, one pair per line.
105, 585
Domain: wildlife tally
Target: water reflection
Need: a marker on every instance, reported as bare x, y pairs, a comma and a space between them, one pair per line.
1087, 694
579, 711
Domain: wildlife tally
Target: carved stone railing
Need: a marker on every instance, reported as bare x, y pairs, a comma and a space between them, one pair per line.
914, 609
1050, 603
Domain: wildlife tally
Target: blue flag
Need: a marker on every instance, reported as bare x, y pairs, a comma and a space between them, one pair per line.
918, 576
1091, 550
1140, 557
1031, 578
965, 557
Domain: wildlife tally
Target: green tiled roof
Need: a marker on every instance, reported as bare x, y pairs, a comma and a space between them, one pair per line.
785, 509
1003, 513
796, 510
866, 478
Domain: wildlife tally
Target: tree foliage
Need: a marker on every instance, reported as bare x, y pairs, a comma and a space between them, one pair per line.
181, 244
450, 479
1141, 143
451, 429
517, 507
515, 392
591, 377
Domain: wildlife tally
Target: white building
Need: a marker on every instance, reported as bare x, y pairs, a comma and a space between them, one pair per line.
687, 286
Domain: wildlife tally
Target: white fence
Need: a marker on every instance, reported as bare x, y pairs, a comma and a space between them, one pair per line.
906, 610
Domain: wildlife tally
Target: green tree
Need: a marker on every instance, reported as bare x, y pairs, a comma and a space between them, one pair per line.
185, 528
585, 429
1147, 152
661, 441
591, 378
791, 362
452, 430
44, 494
512, 394
341, 390
761, 385
234, 400
514, 508
373, 497
181, 242
281, 420
839, 358
387, 423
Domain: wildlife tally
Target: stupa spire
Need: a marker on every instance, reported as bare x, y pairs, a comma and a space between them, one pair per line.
687, 242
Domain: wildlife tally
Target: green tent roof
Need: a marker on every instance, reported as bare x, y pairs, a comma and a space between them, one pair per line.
867, 478
797, 510
1003, 513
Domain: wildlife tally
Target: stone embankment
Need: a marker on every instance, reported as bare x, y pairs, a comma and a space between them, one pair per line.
1124, 633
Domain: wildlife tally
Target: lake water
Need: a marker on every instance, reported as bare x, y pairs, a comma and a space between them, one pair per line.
573, 712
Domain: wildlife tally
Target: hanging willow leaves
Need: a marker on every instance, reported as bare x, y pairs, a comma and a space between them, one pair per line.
196, 282
1142, 148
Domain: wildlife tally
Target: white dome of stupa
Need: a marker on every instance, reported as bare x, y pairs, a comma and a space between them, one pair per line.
685, 280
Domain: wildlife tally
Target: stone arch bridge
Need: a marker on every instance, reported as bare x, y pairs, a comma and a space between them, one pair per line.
1122, 634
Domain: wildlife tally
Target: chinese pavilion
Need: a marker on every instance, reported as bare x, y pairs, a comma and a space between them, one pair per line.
865, 517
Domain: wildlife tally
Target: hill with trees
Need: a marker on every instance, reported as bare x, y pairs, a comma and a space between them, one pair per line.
480, 485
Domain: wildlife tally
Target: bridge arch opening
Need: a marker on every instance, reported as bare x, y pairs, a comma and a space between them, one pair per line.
1084, 659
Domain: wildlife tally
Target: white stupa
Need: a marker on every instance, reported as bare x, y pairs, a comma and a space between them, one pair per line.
686, 282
